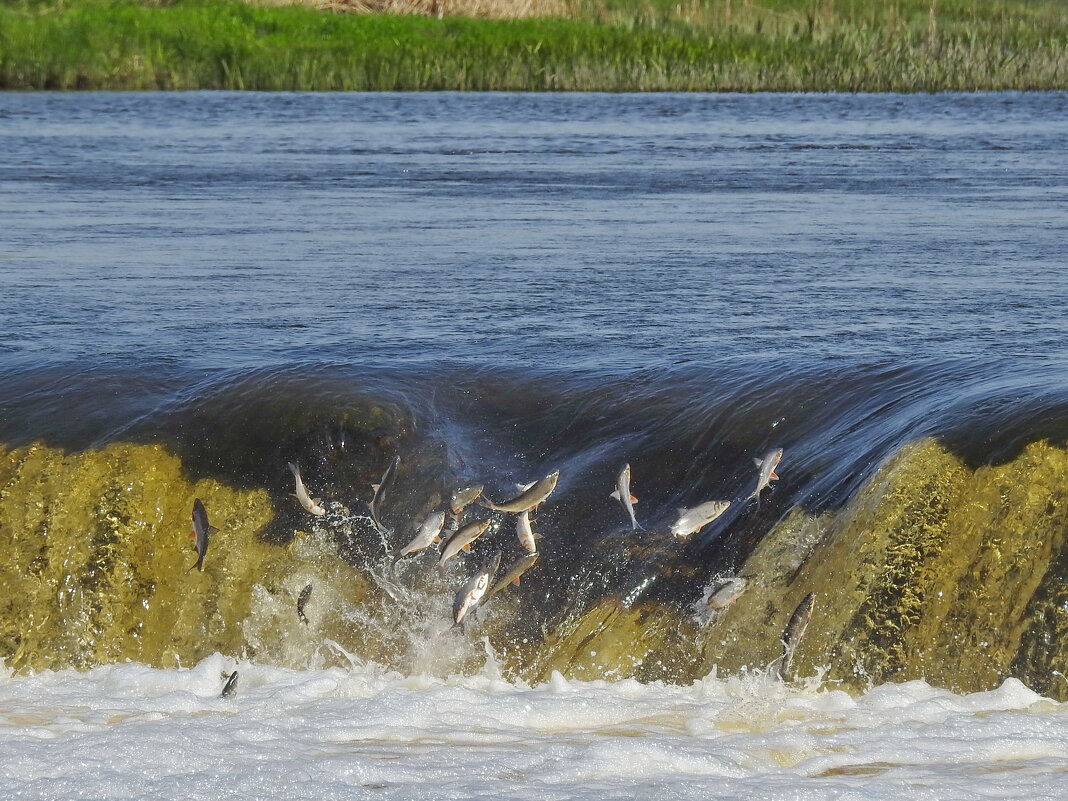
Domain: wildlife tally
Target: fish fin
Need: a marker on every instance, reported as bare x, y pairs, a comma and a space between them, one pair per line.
757, 462
633, 499
317, 501
515, 581
376, 487
536, 536
437, 538
614, 494
466, 547
192, 534
212, 531
525, 487
773, 477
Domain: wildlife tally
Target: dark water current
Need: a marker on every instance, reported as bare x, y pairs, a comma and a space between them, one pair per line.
496, 286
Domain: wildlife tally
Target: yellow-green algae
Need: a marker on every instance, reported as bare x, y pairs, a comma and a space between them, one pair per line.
928, 573
648, 642
933, 570
95, 558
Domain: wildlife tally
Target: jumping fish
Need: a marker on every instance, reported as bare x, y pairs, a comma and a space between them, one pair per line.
201, 532
695, 519
726, 592
462, 497
380, 490
302, 601
313, 505
469, 597
767, 467
533, 495
622, 494
795, 632
429, 533
521, 566
463, 539
527, 537
230, 687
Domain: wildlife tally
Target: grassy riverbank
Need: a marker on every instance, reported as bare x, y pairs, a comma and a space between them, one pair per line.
611, 45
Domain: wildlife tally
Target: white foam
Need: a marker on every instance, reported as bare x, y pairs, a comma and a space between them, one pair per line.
128, 731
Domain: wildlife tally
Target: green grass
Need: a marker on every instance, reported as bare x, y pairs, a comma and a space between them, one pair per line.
614, 45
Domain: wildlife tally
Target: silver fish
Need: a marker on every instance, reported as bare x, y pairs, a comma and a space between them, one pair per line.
201, 533
230, 687
527, 537
795, 632
429, 533
533, 495
521, 566
695, 519
302, 601
726, 592
381, 490
309, 503
462, 497
622, 494
767, 467
463, 539
469, 597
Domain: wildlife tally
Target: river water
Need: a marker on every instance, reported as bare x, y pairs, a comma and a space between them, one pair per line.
196, 288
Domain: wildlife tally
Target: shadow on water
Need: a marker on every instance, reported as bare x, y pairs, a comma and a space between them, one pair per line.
690, 434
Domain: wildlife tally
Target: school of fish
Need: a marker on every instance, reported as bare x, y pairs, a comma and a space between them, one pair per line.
446, 525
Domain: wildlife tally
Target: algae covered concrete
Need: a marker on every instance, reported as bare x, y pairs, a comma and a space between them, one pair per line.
932, 571
648, 642
96, 558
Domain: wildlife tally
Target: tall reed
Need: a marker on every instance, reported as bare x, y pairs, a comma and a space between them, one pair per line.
603, 45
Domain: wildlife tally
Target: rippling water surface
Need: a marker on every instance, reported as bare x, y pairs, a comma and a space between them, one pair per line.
586, 231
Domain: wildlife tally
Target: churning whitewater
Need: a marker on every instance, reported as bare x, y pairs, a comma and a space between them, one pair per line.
129, 731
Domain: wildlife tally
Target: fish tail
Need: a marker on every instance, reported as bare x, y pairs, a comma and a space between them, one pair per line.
785, 662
